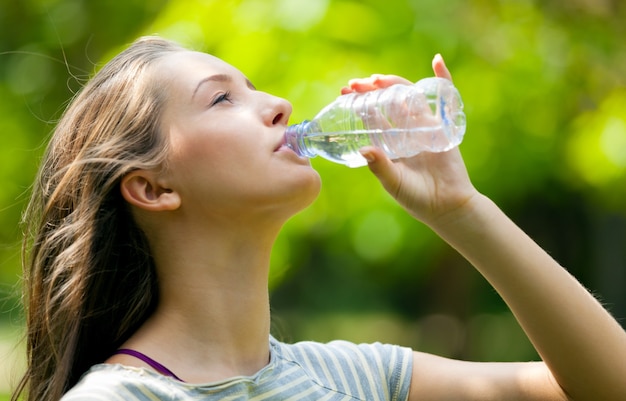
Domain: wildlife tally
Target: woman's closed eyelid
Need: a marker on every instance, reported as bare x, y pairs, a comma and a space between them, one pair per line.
221, 97
226, 95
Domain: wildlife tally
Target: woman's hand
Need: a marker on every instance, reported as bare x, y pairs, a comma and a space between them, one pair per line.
430, 186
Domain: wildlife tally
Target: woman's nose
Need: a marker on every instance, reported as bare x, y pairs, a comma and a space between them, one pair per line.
276, 111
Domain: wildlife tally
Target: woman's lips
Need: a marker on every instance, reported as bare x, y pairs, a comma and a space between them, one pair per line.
282, 145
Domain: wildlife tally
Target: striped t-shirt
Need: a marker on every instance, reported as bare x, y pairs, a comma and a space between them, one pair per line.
338, 370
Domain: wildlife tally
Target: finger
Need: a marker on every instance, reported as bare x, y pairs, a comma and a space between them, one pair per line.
345, 90
384, 81
381, 166
376, 81
440, 69
362, 85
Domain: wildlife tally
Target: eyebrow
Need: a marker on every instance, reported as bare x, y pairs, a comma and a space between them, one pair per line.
218, 78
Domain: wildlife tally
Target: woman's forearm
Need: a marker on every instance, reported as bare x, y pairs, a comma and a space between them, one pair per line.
582, 344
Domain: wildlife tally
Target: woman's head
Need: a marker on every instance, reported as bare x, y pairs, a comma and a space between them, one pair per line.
225, 156
87, 264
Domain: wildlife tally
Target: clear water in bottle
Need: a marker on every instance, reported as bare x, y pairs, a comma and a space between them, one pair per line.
403, 120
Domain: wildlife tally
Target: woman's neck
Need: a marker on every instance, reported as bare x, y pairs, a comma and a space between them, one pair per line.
213, 318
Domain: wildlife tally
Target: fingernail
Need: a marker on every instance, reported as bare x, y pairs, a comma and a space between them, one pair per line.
368, 156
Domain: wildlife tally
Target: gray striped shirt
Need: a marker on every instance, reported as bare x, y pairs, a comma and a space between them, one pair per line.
338, 370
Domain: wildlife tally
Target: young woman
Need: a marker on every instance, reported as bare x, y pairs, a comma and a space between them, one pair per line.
151, 224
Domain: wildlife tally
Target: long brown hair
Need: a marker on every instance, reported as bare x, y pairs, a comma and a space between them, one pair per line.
89, 279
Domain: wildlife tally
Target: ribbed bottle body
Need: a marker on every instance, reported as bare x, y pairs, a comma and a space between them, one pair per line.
403, 120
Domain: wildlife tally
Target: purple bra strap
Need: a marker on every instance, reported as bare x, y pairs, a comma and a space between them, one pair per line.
153, 364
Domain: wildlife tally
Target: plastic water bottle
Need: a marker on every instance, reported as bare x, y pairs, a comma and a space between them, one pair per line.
403, 120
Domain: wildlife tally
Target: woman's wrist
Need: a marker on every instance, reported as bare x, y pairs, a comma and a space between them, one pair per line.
466, 220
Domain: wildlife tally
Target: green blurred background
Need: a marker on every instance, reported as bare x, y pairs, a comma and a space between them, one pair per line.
544, 83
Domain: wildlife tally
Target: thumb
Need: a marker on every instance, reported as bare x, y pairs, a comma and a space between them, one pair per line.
439, 67
383, 168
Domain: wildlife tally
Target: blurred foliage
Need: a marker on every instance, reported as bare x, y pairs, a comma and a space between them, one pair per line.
544, 84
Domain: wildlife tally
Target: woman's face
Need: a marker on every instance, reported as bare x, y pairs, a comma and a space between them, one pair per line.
227, 142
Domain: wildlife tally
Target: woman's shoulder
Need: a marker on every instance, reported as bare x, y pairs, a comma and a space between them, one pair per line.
339, 350
353, 367
114, 382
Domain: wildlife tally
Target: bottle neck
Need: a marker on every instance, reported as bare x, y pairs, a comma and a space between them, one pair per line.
295, 139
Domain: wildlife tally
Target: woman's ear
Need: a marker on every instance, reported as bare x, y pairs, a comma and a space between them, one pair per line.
140, 188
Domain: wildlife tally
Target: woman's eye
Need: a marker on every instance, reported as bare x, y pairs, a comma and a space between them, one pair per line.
224, 97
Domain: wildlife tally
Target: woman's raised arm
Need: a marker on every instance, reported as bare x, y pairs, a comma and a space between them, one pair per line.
582, 346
